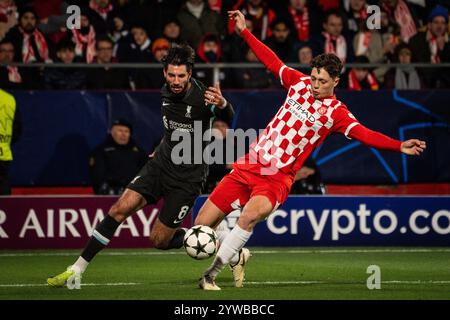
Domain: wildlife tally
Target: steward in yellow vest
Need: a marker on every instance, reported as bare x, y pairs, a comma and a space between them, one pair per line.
10, 127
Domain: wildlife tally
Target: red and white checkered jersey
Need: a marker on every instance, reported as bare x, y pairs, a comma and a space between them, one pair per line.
300, 125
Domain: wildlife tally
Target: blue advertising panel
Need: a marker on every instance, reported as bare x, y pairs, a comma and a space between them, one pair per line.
353, 221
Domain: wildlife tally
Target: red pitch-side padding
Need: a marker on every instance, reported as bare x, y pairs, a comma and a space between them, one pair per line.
419, 188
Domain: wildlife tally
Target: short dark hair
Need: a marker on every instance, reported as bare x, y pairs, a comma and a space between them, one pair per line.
330, 62
362, 60
278, 21
103, 38
65, 44
332, 12
179, 55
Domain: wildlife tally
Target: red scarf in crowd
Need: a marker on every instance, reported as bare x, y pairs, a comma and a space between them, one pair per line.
103, 12
353, 83
85, 43
301, 22
363, 43
28, 54
434, 48
14, 75
361, 14
403, 18
336, 45
432, 40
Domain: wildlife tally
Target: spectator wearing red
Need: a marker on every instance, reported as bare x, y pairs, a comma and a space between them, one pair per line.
210, 51
360, 78
331, 40
433, 46
84, 39
399, 11
304, 19
30, 45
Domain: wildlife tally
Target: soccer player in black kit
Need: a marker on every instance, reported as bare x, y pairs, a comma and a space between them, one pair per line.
186, 104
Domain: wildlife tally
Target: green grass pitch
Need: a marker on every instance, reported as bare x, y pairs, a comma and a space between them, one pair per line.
272, 273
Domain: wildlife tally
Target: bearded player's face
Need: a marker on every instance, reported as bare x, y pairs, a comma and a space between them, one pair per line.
177, 78
322, 83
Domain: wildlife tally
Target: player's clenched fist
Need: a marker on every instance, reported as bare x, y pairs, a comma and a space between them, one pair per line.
239, 19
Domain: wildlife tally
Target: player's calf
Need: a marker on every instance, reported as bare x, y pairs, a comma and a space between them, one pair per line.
166, 241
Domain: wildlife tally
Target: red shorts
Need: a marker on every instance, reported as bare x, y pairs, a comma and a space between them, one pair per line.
236, 188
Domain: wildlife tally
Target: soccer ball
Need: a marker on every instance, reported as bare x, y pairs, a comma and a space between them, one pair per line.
200, 242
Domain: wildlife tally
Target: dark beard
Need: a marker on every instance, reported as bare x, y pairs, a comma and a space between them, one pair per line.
29, 30
179, 95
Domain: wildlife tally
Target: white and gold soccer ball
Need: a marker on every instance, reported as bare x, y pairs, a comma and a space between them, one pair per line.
201, 242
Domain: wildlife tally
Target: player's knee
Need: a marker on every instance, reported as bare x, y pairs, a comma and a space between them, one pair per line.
117, 212
248, 219
159, 242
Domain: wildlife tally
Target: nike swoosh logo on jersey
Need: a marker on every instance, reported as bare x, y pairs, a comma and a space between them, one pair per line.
165, 104
134, 180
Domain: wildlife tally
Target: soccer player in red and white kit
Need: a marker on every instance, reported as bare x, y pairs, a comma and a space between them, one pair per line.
261, 180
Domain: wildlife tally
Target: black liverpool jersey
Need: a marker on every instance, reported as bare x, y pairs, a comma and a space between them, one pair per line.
184, 117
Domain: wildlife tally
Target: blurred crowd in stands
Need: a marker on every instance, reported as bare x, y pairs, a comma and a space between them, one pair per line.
141, 31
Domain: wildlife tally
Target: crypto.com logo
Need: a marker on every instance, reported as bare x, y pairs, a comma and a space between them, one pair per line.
374, 19
74, 20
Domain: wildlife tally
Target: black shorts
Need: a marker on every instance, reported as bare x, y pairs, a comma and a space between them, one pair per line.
179, 196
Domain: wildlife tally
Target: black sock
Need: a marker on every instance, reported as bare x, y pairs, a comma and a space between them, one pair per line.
177, 239
100, 237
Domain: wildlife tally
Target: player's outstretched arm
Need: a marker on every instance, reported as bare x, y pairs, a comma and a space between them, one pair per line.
262, 52
413, 147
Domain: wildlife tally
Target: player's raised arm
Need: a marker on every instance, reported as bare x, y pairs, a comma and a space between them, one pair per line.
262, 52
